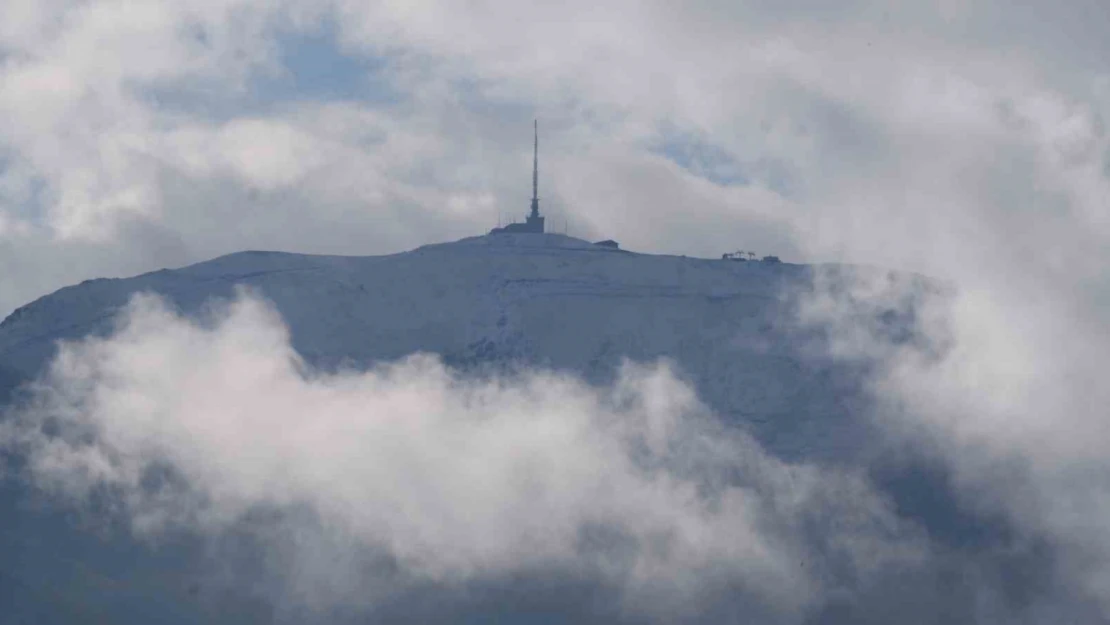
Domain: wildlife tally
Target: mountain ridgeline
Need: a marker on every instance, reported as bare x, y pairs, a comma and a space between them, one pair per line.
482, 304
543, 300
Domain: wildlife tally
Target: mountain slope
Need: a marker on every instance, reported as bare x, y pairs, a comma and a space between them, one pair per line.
536, 299
492, 301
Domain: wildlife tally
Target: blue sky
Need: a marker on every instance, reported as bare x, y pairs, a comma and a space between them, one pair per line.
315, 67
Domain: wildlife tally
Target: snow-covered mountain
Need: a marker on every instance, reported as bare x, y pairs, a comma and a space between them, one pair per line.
537, 299
9, 380
488, 301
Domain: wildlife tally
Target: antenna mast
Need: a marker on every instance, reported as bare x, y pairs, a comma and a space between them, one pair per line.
535, 169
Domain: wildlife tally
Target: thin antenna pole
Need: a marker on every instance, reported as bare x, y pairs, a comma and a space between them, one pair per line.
535, 171
535, 159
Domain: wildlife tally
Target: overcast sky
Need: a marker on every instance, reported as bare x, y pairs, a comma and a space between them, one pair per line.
920, 135
967, 141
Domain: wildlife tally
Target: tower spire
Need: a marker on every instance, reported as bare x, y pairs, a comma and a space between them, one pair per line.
533, 223
535, 169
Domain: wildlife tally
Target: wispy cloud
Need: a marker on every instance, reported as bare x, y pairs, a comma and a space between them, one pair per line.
200, 424
1005, 396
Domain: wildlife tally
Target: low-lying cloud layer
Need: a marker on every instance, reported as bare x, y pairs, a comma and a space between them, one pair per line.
1006, 392
198, 425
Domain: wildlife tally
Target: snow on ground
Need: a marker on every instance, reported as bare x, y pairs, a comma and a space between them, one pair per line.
489, 301
536, 299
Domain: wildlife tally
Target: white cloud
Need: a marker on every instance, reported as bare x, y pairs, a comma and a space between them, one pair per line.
456, 479
109, 112
1006, 389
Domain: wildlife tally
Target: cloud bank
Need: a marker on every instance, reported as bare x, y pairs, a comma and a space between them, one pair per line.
200, 425
1005, 396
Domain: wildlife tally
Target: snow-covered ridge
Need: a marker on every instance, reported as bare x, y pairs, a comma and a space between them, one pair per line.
523, 242
532, 299
536, 299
